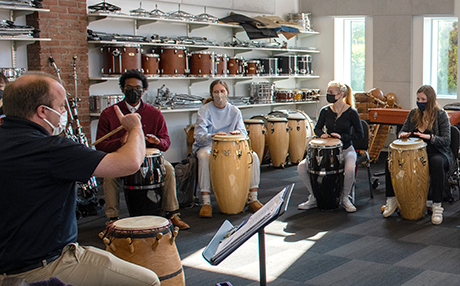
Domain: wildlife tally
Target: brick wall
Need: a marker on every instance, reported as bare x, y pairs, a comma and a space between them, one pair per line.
65, 25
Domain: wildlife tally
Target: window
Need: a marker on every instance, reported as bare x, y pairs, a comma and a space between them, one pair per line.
349, 52
440, 43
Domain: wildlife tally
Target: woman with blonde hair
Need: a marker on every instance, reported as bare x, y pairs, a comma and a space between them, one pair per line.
430, 123
339, 118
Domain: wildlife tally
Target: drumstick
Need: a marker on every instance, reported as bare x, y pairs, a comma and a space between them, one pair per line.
107, 135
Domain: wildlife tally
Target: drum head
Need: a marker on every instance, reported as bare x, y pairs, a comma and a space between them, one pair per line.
296, 116
238, 137
152, 151
407, 143
253, 121
276, 119
326, 142
140, 223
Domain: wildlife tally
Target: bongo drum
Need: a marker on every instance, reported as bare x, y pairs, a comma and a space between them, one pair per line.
256, 132
173, 61
151, 64
408, 166
325, 165
278, 140
144, 189
202, 64
297, 136
148, 241
221, 65
118, 59
235, 66
230, 168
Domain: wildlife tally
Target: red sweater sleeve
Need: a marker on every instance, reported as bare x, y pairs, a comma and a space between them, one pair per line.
154, 123
108, 121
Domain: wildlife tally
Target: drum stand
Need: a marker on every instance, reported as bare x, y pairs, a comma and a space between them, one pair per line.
240, 234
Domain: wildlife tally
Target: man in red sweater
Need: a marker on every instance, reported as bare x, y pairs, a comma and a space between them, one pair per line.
133, 84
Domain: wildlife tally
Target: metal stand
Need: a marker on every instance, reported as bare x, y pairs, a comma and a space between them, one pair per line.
262, 262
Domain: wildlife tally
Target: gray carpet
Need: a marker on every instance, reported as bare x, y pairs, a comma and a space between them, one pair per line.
320, 247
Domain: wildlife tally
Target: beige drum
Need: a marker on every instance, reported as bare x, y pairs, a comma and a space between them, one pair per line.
297, 136
256, 132
230, 168
408, 165
278, 140
148, 241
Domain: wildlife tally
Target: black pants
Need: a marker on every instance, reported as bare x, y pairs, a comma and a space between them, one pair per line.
439, 165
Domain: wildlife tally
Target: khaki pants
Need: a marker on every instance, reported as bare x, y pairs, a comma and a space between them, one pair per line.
88, 266
112, 193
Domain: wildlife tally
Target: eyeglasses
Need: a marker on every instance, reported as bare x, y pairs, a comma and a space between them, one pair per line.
129, 87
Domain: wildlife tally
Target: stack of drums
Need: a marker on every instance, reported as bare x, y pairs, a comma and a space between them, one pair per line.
202, 64
118, 59
221, 63
256, 132
261, 92
269, 67
173, 61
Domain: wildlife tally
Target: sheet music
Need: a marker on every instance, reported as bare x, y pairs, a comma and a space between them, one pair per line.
254, 222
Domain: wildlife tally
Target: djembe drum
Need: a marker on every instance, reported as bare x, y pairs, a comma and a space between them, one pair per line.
325, 165
148, 241
256, 132
408, 166
230, 169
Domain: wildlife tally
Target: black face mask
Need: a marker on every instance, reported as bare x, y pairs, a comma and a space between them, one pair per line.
132, 96
1, 94
330, 98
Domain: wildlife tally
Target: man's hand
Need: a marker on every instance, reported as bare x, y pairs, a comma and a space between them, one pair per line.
129, 121
152, 139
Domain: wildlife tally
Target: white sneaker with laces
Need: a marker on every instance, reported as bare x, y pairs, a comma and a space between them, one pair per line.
347, 205
390, 206
436, 218
309, 204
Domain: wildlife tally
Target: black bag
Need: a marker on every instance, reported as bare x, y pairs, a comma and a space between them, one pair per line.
186, 180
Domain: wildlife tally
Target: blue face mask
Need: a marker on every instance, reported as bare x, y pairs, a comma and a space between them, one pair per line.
421, 106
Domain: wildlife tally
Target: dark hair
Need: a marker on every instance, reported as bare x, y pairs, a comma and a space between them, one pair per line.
134, 74
22, 97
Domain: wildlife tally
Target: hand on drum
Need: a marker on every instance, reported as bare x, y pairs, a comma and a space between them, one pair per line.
219, 133
333, 134
236, 132
152, 139
404, 135
423, 136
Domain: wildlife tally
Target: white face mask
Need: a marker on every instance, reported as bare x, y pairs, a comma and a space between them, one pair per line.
220, 99
62, 122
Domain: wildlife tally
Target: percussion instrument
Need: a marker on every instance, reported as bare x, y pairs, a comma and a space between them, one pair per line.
266, 153
173, 61
221, 65
256, 132
12, 73
297, 94
303, 19
287, 65
278, 140
408, 166
121, 58
252, 68
261, 92
284, 95
144, 189
235, 66
148, 241
151, 64
304, 65
230, 168
202, 64
269, 67
325, 165
97, 103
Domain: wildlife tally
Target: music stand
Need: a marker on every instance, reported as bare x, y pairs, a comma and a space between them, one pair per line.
228, 238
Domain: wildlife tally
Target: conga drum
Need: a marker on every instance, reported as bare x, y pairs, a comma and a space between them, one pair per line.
408, 166
148, 241
278, 140
266, 154
297, 136
144, 189
256, 132
230, 169
325, 165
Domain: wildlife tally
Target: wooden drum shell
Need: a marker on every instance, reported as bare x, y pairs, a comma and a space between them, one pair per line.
278, 140
256, 132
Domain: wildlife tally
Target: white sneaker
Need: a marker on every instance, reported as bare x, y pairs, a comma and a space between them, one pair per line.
309, 204
347, 205
436, 218
391, 206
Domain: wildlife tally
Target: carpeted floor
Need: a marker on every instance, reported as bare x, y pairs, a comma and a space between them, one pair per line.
320, 247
